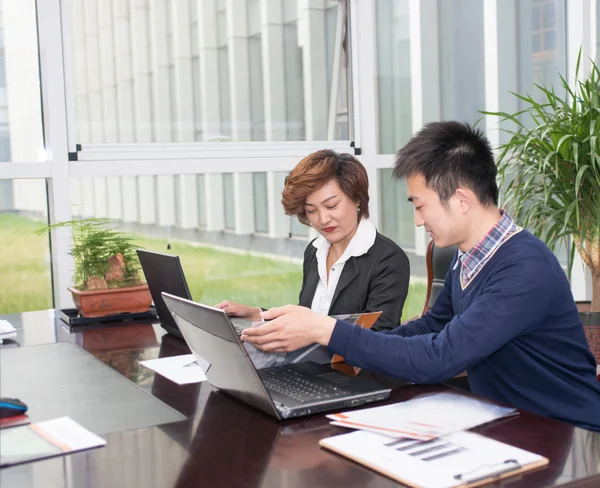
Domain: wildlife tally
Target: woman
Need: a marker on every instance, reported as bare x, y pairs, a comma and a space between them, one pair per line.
350, 267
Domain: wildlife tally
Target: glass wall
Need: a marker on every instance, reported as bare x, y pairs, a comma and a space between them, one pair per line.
20, 107
396, 212
212, 274
461, 60
228, 191
4, 134
261, 211
537, 48
393, 74
25, 283
197, 71
542, 44
167, 71
293, 73
542, 55
298, 229
201, 200
598, 32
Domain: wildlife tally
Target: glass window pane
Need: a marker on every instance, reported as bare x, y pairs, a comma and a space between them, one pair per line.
228, 201
541, 50
293, 71
149, 72
396, 212
461, 60
257, 105
290, 10
20, 107
253, 17
536, 18
24, 255
297, 229
541, 58
393, 75
212, 274
548, 15
176, 196
224, 133
201, 201
261, 211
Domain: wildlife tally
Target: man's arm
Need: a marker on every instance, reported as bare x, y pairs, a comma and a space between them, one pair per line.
512, 303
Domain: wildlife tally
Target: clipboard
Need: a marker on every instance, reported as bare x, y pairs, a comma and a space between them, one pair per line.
488, 460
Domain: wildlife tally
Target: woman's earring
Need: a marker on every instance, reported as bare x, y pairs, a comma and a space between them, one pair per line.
358, 208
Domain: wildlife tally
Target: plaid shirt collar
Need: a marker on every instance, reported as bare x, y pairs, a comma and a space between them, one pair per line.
475, 258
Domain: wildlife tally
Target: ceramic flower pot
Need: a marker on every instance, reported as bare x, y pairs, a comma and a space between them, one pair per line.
98, 303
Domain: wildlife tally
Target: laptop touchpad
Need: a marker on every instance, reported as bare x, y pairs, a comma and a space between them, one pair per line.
336, 378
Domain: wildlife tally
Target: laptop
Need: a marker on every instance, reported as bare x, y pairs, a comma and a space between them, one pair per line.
287, 391
163, 272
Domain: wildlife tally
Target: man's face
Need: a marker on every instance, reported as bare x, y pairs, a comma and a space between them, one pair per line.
445, 224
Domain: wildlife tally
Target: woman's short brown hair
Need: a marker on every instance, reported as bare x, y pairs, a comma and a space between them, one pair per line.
318, 168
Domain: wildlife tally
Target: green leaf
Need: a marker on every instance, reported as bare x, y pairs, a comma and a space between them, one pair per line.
549, 168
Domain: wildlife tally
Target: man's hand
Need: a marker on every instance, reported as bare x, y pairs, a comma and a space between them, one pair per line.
238, 310
290, 328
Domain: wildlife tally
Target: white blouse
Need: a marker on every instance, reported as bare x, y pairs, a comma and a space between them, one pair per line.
361, 242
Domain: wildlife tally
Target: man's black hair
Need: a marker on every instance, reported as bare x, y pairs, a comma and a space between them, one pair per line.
450, 155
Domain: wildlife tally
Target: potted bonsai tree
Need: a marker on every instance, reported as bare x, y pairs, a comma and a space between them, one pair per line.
107, 269
550, 173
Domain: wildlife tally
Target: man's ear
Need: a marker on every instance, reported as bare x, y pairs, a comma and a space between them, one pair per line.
465, 199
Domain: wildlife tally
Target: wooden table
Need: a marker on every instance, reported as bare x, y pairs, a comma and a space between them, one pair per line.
226, 443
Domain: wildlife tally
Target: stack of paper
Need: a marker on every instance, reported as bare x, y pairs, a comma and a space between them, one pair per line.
7, 331
424, 418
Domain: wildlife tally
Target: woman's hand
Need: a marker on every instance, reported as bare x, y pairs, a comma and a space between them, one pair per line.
238, 310
290, 328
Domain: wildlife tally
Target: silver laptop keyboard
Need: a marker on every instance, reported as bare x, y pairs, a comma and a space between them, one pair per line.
301, 387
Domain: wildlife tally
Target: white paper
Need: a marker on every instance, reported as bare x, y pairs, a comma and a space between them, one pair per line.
425, 417
45, 439
432, 464
179, 369
7, 331
70, 434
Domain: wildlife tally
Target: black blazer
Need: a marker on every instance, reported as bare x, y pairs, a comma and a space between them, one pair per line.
377, 280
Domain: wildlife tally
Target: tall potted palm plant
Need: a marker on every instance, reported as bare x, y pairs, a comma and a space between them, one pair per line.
550, 170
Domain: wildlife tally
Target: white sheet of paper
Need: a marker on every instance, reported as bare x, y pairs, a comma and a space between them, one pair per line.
7, 330
425, 417
179, 369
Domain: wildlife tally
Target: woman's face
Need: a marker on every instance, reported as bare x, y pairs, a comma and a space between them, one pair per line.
331, 212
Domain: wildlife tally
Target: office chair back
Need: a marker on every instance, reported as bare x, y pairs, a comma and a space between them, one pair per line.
438, 261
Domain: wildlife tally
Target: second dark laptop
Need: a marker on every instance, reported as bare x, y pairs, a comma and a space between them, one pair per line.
163, 272
285, 391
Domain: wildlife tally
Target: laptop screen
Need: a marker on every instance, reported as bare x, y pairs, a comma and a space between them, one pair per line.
163, 272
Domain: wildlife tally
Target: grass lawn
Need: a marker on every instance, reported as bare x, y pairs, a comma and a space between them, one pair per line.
213, 275
25, 264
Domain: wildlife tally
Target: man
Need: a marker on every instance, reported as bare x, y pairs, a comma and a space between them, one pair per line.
506, 313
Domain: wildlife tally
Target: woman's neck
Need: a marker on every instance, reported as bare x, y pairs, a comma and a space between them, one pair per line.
338, 248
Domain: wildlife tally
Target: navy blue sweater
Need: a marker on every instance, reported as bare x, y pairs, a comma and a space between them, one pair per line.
515, 329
